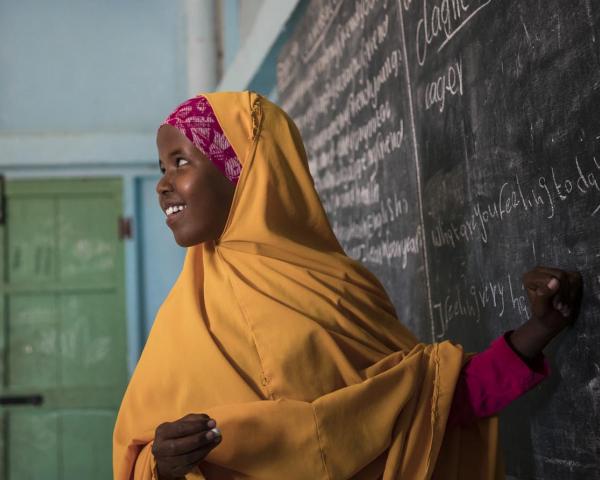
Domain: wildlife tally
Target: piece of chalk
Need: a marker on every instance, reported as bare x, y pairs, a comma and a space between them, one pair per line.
216, 431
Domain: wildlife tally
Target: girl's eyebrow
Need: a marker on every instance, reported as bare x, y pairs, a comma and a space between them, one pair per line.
177, 151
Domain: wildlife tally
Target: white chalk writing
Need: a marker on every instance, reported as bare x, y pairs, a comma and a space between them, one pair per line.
541, 195
445, 18
387, 250
471, 300
450, 82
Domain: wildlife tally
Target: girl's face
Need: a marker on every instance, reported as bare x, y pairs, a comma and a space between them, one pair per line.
198, 191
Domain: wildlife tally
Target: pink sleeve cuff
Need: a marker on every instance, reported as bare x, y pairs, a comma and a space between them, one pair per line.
530, 371
492, 379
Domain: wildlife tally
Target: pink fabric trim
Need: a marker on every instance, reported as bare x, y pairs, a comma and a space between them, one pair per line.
196, 119
491, 380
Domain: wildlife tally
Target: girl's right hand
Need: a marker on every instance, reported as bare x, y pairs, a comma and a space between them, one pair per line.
555, 298
554, 295
181, 445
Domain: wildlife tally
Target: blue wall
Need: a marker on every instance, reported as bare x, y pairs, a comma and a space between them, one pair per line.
83, 87
89, 65
230, 30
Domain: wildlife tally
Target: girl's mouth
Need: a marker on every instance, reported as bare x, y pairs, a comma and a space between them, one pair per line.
174, 212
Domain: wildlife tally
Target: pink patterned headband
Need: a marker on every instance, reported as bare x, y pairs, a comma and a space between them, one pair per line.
196, 119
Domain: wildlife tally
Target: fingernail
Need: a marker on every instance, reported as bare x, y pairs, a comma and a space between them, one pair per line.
211, 424
559, 305
210, 435
566, 312
553, 284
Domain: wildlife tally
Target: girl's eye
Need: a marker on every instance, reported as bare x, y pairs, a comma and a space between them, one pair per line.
179, 160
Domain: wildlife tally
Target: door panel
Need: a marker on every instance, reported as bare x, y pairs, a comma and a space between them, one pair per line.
87, 229
82, 456
33, 356
31, 239
88, 342
3, 370
63, 328
33, 437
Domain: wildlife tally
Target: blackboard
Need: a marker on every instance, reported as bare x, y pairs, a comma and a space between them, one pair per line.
455, 144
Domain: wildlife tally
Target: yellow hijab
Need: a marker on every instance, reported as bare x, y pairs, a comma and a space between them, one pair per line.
291, 346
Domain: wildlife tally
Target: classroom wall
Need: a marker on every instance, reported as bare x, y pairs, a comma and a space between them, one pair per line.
253, 32
248, 16
76, 66
83, 86
228, 33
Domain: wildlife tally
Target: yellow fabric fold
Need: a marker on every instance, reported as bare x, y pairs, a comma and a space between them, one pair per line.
294, 348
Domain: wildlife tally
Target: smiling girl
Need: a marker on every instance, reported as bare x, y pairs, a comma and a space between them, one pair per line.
277, 356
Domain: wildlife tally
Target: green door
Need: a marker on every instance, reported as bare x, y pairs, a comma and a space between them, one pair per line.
62, 328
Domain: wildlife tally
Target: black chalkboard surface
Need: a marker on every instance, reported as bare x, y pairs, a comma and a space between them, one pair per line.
455, 144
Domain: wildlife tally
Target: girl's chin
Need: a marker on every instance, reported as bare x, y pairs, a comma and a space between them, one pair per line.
184, 240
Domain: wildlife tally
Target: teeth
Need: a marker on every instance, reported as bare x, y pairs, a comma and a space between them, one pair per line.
174, 208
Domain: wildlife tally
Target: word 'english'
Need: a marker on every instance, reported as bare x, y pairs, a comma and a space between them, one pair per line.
450, 82
445, 19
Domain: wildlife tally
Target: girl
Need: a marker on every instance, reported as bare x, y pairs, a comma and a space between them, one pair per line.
277, 356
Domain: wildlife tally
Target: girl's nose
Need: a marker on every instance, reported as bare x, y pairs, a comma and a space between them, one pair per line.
164, 184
